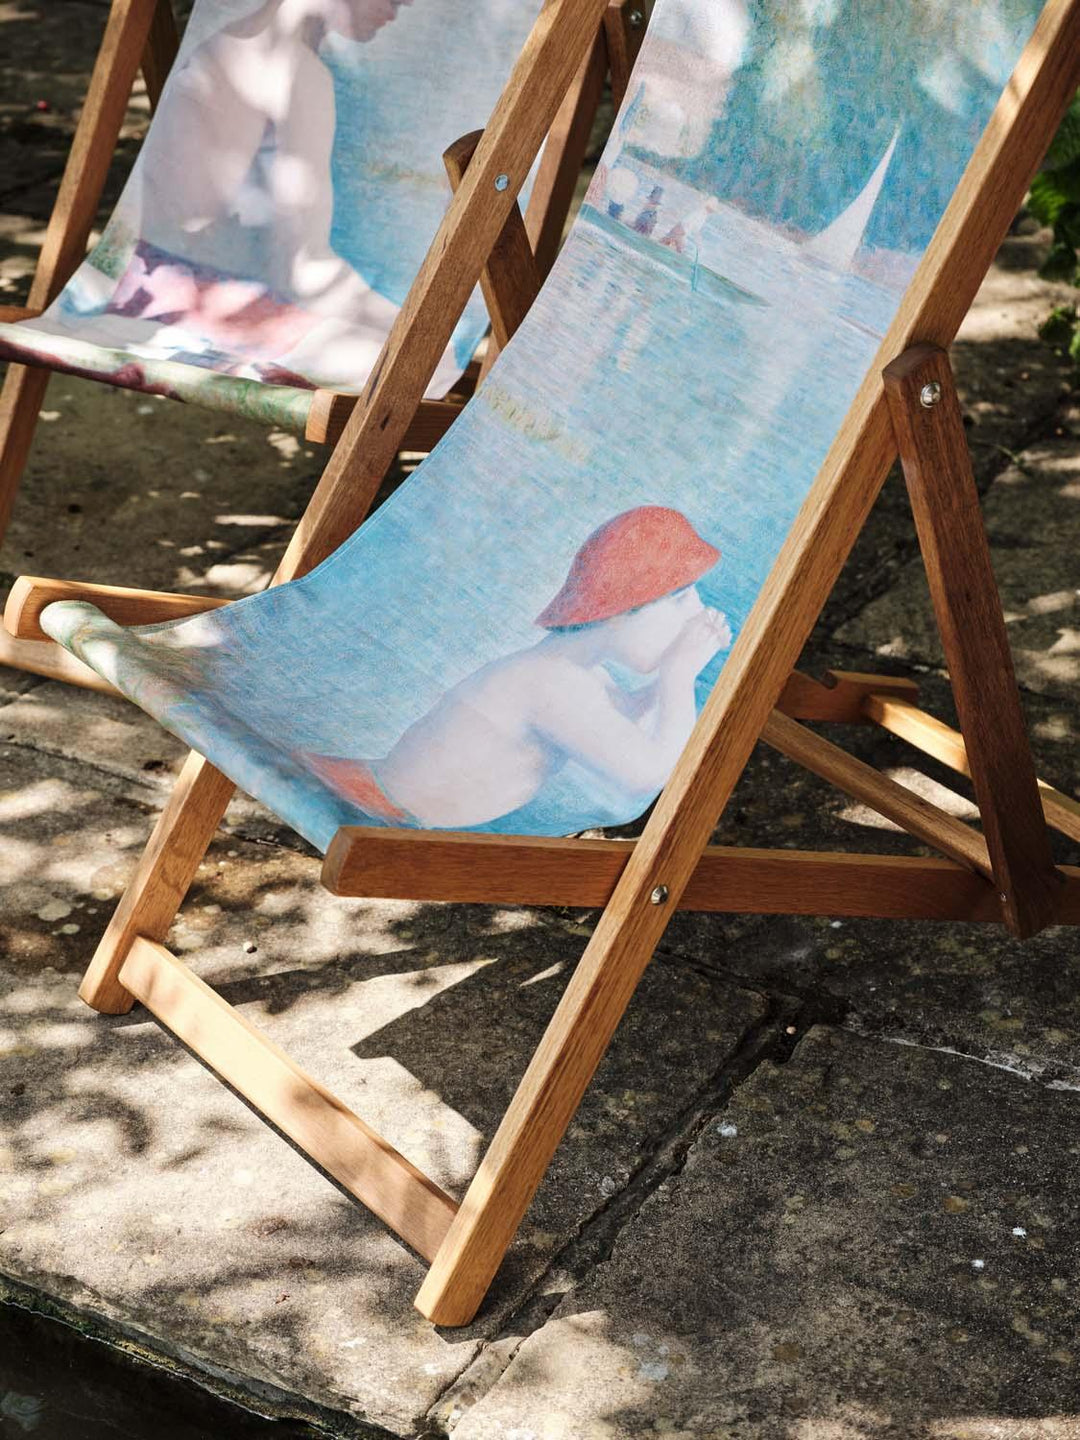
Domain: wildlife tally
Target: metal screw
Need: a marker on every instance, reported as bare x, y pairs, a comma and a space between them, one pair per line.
501, 182
636, 19
929, 395
659, 895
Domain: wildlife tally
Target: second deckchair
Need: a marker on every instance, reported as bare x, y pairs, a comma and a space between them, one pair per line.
533, 635
279, 209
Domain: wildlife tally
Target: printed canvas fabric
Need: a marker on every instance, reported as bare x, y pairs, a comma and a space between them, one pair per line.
519, 640
284, 199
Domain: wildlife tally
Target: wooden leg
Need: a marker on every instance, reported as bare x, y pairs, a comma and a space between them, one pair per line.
564, 154
624, 28
69, 227
937, 467
20, 403
155, 891
160, 52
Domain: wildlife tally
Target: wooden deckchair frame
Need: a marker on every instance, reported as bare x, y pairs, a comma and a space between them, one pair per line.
142, 34
907, 405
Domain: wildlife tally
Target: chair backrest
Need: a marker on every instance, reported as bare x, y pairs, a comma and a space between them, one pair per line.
290, 184
519, 639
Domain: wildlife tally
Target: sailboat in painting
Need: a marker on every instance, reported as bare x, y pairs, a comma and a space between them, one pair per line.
838, 244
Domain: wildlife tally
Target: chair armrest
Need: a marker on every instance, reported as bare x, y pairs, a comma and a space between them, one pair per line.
30, 594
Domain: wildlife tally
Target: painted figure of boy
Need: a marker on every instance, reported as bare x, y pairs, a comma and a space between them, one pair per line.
490, 744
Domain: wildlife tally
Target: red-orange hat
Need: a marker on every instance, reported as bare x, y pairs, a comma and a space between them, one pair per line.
638, 556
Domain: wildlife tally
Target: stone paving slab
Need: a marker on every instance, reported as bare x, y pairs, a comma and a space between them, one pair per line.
871, 1242
130, 489
137, 1188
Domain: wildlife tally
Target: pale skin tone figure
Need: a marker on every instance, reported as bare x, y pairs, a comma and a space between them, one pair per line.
489, 744
260, 72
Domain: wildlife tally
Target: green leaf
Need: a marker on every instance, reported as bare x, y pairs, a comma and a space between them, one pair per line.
1060, 264
1059, 326
1065, 147
1047, 197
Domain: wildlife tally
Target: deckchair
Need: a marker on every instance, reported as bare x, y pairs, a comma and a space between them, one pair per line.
695, 417
262, 247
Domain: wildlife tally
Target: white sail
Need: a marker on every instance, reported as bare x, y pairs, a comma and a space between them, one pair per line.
838, 243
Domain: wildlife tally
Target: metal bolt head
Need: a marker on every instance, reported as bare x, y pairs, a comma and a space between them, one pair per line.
501, 182
659, 895
636, 19
930, 395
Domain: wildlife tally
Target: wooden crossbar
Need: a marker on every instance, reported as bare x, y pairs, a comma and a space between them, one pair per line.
910, 811
330, 411
466, 868
125, 605
934, 737
326, 1130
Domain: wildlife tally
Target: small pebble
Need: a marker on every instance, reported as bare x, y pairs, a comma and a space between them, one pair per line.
1019, 1232
607, 1184
727, 1130
250, 947
978, 1264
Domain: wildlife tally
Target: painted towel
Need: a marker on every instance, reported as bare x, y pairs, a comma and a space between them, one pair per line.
284, 199
519, 640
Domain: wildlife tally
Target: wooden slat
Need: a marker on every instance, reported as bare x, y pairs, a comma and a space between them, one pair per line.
560, 165
46, 657
624, 28
477, 213
165, 870
906, 809
510, 279
12, 314
330, 412
69, 225
934, 737
326, 1130
530, 870
941, 485
841, 696
127, 606
160, 51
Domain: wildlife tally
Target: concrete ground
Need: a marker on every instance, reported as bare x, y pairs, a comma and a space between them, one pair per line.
825, 1184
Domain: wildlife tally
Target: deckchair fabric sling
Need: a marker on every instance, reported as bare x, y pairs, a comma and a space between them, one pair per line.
638, 519
281, 204
640, 452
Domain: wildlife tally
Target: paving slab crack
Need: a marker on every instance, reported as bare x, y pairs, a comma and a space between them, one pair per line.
772, 1038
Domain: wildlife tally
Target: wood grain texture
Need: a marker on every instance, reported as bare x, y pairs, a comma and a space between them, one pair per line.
624, 30
327, 1131
46, 657
330, 411
477, 213
165, 870
895, 802
841, 696
760, 662
160, 51
117, 63
510, 280
31, 593
934, 737
538, 870
937, 469
560, 165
